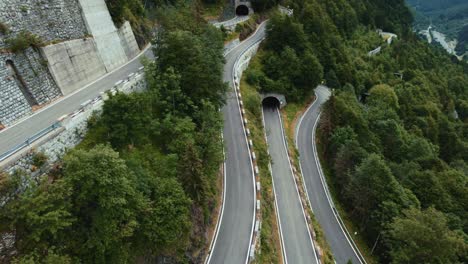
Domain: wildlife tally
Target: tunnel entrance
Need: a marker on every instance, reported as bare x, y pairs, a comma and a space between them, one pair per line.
271, 102
242, 10
20, 82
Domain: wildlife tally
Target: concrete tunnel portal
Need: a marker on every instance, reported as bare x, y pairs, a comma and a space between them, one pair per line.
273, 100
242, 10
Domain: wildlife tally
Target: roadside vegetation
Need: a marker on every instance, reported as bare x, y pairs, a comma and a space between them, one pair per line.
23, 41
251, 86
134, 11
143, 183
393, 134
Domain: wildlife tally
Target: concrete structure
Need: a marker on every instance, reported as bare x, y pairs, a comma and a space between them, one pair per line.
75, 63
99, 24
243, 7
387, 36
374, 51
83, 45
128, 41
279, 97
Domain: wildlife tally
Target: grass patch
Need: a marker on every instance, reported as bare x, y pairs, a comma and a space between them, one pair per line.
24, 40
231, 36
4, 29
270, 247
214, 10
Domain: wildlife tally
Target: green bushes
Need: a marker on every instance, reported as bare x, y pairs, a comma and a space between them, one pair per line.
246, 28
133, 12
39, 159
4, 29
24, 40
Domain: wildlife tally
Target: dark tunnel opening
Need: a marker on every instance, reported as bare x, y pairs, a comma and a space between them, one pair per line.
271, 102
242, 10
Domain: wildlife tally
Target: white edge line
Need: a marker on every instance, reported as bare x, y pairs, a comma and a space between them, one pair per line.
280, 230
297, 147
246, 141
220, 215
343, 228
297, 190
248, 150
79, 90
319, 167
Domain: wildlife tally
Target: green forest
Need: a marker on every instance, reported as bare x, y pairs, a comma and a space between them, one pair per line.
143, 182
393, 134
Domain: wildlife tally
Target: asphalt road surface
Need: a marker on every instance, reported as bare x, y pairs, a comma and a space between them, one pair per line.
233, 239
334, 234
297, 243
43, 118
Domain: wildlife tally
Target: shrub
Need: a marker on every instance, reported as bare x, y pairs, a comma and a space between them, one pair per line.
24, 40
4, 29
39, 159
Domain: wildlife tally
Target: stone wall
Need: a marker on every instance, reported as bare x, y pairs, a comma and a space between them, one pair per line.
57, 69
127, 38
32, 69
49, 19
75, 63
13, 105
99, 23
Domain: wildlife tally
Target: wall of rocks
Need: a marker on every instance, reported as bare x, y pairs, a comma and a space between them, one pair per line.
83, 44
13, 105
50, 19
32, 69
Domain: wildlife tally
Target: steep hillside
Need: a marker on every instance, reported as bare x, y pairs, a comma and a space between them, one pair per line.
393, 133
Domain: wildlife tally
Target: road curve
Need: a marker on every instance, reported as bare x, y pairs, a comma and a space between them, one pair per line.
297, 243
316, 186
21, 131
233, 238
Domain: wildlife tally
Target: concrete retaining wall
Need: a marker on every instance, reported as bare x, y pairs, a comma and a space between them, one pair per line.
127, 38
100, 25
58, 68
74, 63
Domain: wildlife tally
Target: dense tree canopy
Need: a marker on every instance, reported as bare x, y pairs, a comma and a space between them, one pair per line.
143, 182
394, 130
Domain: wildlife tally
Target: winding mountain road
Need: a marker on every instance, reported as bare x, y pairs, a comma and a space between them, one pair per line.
45, 117
234, 236
319, 197
297, 243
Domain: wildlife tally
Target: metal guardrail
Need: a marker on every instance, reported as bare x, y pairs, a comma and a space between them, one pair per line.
58, 123
29, 141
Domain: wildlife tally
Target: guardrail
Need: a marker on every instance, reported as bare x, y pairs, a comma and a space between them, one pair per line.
118, 86
29, 141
